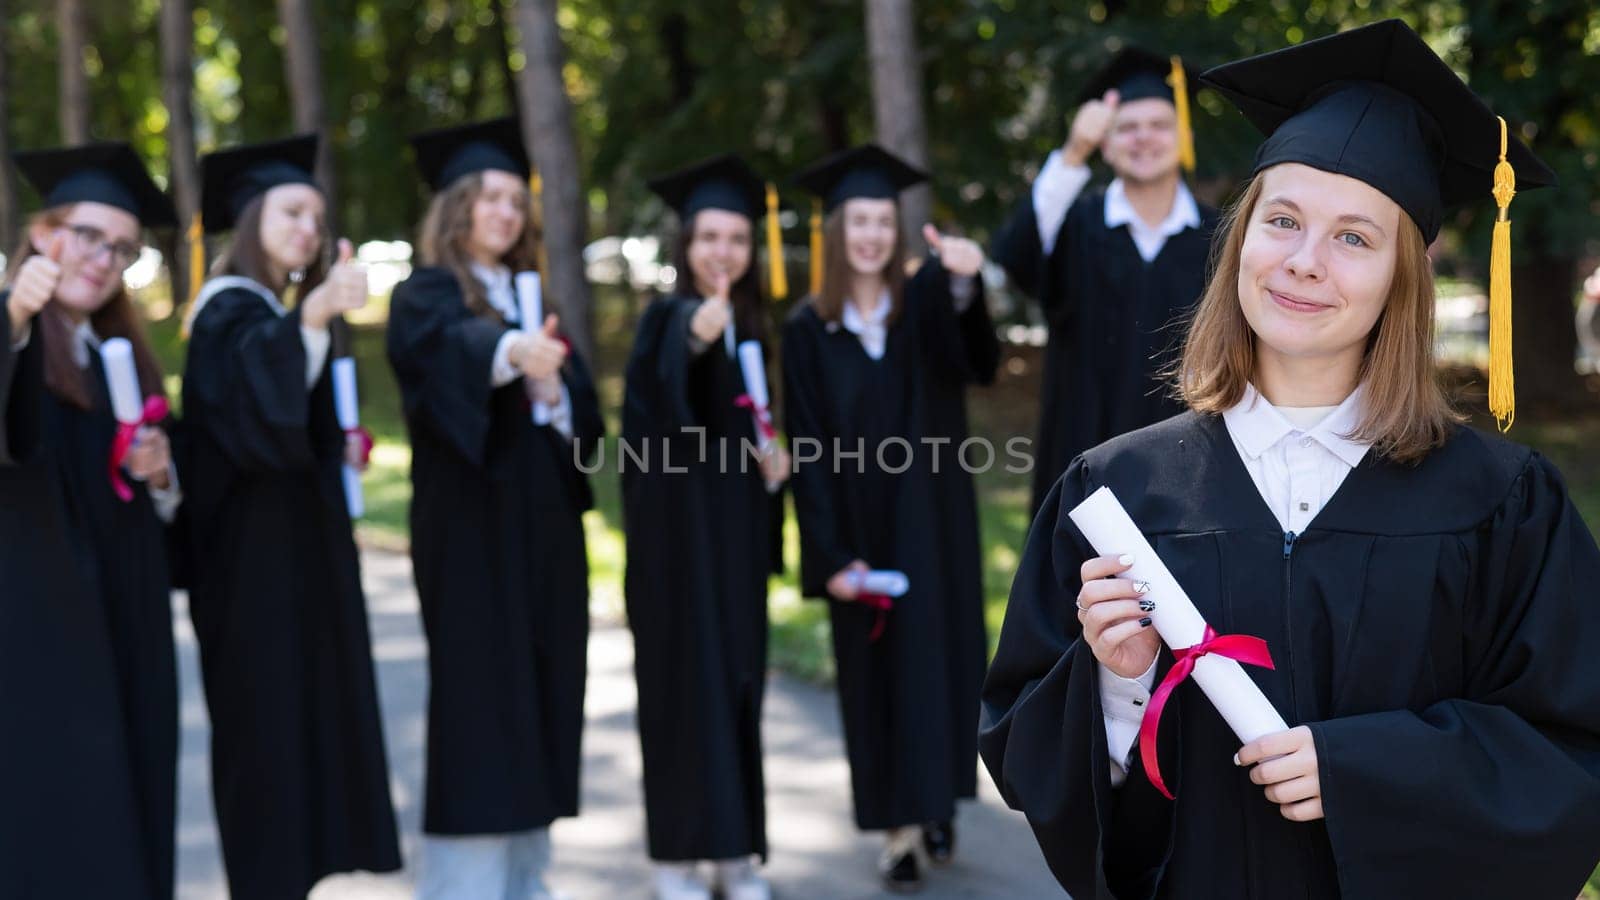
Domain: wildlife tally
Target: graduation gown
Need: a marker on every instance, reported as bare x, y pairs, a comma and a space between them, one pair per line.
908, 699
1433, 626
501, 567
1113, 323
700, 538
299, 776
88, 678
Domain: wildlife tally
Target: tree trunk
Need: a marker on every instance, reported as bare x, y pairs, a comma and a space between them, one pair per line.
303, 63
177, 78
897, 103
548, 130
73, 95
1544, 343
8, 184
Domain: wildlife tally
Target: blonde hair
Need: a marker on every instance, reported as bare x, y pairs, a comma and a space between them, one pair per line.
1410, 414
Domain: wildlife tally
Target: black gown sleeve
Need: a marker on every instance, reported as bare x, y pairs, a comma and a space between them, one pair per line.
822, 552
1018, 250
961, 348
1042, 728
21, 380
443, 356
1496, 793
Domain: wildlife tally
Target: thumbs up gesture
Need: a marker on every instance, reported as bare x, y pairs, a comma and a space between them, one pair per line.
540, 354
712, 316
1090, 126
343, 290
35, 284
959, 255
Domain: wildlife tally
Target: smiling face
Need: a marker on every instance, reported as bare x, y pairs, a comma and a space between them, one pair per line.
719, 244
97, 242
871, 230
499, 213
291, 226
1317, 262
1142, 145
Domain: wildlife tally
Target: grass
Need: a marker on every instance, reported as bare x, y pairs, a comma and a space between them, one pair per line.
800, 642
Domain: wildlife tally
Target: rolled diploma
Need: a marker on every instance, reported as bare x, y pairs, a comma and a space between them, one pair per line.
122, 380
530, 306
754, 369
1112, 533
347, 408
887, 582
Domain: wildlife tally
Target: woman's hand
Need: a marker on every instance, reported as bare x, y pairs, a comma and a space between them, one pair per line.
775, 465
1286, 765
1116, 616
34, 285
343, 290
958, 255
540, 354
844, 583
150, 457
712, 315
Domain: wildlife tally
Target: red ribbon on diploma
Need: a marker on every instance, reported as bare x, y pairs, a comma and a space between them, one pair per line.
883, 603
1238, 647
762, 415
155, 409
365, 436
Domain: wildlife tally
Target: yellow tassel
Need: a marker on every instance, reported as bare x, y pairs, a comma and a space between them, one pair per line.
1502, 384
536, 215
816, 248
780, 276
197, 268
1180, 99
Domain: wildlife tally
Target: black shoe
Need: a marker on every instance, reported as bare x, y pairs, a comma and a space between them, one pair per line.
939, 840
901, 874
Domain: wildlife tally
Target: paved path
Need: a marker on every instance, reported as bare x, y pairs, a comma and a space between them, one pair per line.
816, 850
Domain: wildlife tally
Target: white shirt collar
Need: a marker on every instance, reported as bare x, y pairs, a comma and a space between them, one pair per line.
1257, 426
84, 341
1184, 213
872, 328
497, 281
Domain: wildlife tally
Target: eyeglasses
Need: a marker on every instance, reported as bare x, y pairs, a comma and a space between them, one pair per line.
90, 241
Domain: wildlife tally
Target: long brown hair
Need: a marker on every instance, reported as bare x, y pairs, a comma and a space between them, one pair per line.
749, 310
830, 299
1407, 414
245, 256
443, 237
54, 328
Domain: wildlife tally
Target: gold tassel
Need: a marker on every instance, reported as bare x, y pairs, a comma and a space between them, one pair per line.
1502, 385
1180, 99
816, 248
197, 268
536, 215
780, 276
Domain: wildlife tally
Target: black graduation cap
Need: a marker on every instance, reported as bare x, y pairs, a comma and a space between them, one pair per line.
446, 154
109, 173
722, 182
1376, 104
865, 172
1137, 74
230, 179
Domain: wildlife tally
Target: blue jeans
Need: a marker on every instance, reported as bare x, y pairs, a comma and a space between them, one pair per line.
485, 867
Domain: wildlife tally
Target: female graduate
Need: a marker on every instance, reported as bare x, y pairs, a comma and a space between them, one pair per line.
702, 531
877, 366
1423, 589
89, 711
298, 770
496, 522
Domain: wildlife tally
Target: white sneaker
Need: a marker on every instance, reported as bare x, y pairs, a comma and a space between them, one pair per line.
680, 881
739, 880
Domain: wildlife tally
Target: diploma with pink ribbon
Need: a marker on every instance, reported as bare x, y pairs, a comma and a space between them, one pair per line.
130, 411
753, 365
879, 588
347, 407
1212, 659
530, 307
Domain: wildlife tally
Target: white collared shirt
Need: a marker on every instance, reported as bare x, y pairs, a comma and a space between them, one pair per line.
1059, 184
1297, 458
872, 329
